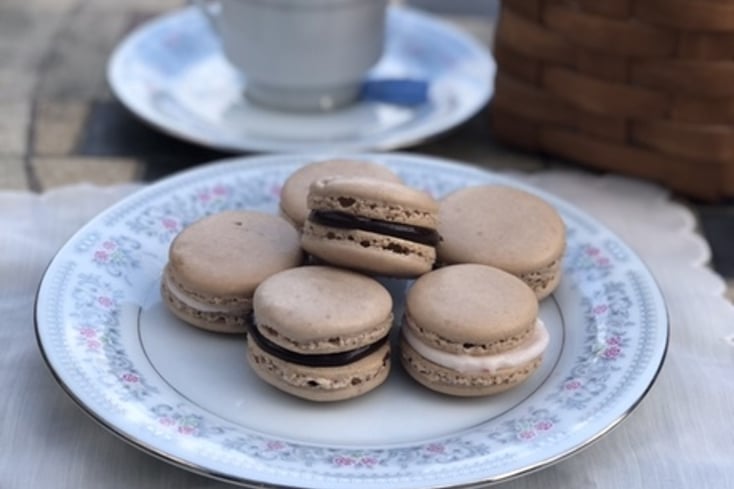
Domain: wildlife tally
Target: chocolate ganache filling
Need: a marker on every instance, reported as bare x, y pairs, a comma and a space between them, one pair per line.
313, 360
342, 220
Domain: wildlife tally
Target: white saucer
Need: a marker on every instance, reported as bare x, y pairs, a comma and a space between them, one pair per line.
172, 74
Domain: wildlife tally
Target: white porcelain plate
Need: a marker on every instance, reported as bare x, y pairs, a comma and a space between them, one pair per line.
189, 396
171, 73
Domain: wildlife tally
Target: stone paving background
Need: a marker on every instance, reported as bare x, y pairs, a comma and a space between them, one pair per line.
60, 124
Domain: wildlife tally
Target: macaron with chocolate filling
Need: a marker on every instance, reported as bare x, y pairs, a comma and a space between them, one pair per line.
379, 227
471, 330
321, 333
294, 193
216, 263
507, 228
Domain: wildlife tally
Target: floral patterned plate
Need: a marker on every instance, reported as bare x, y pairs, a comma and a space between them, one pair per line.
189, 396
172, 74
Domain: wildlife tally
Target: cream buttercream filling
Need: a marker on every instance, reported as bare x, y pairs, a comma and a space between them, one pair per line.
516, 357
193, 303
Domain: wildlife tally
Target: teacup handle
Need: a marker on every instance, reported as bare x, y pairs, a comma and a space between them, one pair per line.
211, 10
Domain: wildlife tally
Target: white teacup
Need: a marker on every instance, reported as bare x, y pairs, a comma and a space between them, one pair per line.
300, 55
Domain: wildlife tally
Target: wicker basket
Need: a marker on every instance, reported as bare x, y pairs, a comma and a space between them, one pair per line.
642, 87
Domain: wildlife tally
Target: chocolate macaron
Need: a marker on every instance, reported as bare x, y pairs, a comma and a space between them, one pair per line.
216, 263
294, 193
507, 228
321, 333
471, 330
378, 227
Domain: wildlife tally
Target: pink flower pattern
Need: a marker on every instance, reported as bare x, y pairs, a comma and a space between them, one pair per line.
343, 461
187, 430
435, 448
117, 255
220, 190
275, 445
612, 353
526, 435
130, 378
96, 305
170, 224
88, 332
355, 460
368, 462
192, 425
536, 424
165, 221
589, 262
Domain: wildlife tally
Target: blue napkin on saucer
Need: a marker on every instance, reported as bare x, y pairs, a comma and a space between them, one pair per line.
405, 92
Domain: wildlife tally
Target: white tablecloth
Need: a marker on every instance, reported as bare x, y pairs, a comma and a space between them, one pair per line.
682, 435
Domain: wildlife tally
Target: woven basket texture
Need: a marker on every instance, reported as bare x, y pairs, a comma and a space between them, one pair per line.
640, 87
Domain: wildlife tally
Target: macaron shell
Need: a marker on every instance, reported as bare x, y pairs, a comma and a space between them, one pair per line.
471, 309
283, 215
367, 251
295, 189
320, 309
447, 381
228, 254
321, 383
544, 281
499, 226
375, 199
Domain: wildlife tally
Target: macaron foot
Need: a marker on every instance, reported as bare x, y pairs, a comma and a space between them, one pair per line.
446, 381
321, 384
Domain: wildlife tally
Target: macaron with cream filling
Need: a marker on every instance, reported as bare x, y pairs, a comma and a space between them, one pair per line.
471, 330
215, 264
321, 333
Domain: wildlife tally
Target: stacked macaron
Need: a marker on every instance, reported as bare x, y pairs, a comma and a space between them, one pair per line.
482, 258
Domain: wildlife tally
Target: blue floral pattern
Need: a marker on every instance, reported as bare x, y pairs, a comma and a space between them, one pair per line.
96, 321
178, 420
117, 255
163, 222
93, 285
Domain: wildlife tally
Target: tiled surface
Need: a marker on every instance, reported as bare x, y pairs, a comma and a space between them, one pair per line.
58, 126
67, 170
13, 175
14, 124
61, 125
